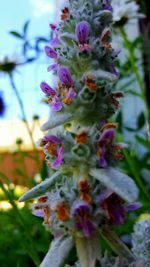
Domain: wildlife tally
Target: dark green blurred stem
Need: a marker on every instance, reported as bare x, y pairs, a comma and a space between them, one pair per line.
20, 102
32, 251
136, 73
116, 244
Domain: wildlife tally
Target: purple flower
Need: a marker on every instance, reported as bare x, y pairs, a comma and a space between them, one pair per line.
132, 206
65, 77
56, 105
115, 207
51, 52
52, 139
53, 67
81, 211
59, 157
107, 5
113, 70
107, 136
102, 161
71, 93
52, 26
47, 89
2, 105
53, 145
54, 41
82, 32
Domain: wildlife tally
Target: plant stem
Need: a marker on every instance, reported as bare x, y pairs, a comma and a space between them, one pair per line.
136, 73
20, 102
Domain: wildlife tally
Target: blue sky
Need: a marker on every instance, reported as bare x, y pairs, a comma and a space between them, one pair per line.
14, 13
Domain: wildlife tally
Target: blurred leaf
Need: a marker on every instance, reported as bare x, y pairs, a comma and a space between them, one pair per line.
130, 129
25, 28
135, 44
133, 93
140, 121
119, 120
143, 141
16, 34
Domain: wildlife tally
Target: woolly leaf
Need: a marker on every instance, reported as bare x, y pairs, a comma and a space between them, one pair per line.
88, 250
41, 188
58, 252
118, 182
108, 76
56, 120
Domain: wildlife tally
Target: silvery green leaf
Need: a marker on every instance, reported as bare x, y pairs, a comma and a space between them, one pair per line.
88, 250
41, 188
118, 182
55, 120
108, 76
58, 252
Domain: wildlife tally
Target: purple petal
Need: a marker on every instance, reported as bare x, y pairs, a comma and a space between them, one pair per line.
50, 52
56, 104
103, 162
53, 67
47, 89
59, 158
71, 93
65, 76
113, 70
52, 139
38, 212
132, 206
119, 215
52, 26
108, 134
87, 228
107, 5
54, 41
79, 207
82, 32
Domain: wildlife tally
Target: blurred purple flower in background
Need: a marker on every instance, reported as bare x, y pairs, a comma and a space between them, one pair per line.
2, 105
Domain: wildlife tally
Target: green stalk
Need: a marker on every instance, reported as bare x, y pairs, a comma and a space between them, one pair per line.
22, 109
136, 73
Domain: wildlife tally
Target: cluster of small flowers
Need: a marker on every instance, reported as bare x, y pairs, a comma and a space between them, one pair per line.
83, 208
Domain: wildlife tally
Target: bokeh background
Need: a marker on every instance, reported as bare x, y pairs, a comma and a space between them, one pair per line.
24, 31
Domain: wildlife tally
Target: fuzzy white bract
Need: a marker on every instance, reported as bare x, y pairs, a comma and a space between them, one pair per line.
123, 9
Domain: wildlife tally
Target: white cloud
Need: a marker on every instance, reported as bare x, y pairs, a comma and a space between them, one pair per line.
41, 7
